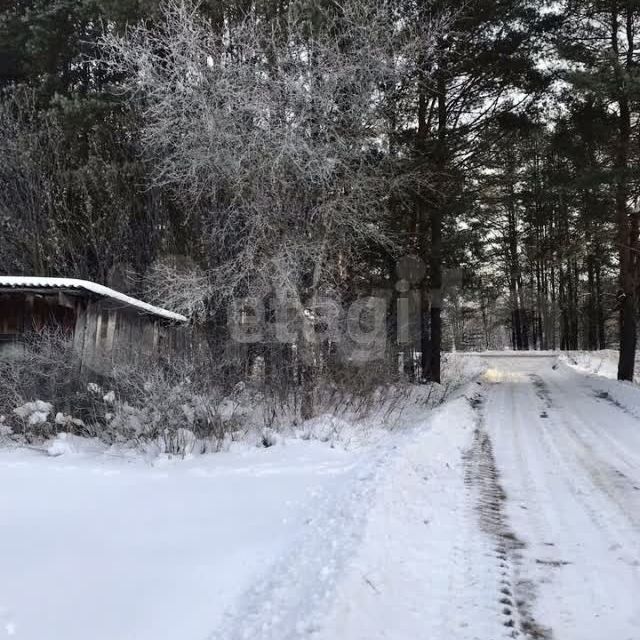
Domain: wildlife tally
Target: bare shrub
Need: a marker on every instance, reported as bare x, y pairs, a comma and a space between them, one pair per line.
42, 367
186, 405
174, 405
352, 388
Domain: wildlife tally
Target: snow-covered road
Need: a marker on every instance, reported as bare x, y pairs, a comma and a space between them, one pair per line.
513, 510
516, 514
568, 448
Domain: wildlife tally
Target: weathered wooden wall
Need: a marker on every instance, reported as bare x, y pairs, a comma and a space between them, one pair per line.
23, 312
103, 331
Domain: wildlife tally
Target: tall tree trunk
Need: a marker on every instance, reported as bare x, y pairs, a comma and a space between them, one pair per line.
554, 309
592, 310
513, 259
602, 339
435, 262
627, 223
524, 320
422, 225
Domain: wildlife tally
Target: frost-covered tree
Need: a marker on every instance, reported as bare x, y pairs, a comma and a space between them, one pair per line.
274, 132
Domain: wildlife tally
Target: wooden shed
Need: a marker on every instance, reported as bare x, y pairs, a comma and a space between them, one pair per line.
106, 326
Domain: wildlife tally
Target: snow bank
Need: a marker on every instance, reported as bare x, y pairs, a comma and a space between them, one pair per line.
599, 371
600, 380
417, 573
358, 530
602, 363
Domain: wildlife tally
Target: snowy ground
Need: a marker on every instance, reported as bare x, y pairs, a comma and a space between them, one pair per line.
112, 549
511, 511
601, 363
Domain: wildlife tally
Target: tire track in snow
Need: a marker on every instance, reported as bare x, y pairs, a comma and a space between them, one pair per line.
567, 453
435, 573
587, 588
603, 469
516, 591
588, 407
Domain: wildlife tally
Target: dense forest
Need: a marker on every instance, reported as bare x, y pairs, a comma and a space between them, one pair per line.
474, 163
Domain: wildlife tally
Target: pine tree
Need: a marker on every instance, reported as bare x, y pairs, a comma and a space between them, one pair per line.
600, 47
487, 53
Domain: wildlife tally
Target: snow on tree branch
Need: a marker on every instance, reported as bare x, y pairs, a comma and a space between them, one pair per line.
273, 130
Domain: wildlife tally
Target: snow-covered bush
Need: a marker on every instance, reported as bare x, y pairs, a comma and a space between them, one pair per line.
195, 405
173, 405
34, 413
38, 380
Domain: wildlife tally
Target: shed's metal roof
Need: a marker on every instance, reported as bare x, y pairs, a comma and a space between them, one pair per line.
22, 282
